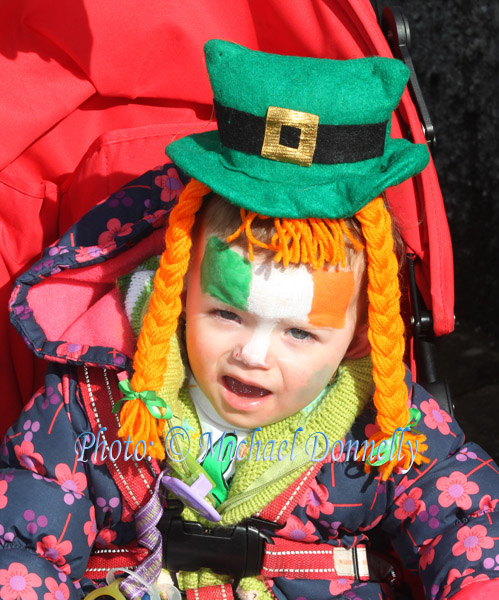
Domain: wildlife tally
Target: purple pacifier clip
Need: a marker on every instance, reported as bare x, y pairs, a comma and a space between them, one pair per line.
148, 516
194, 495
148, 536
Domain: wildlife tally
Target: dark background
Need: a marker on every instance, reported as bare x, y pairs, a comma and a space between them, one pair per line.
455, 51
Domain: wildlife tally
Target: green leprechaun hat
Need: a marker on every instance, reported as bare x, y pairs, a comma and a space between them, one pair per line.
300, 137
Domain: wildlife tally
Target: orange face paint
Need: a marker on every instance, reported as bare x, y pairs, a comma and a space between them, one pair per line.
333, 291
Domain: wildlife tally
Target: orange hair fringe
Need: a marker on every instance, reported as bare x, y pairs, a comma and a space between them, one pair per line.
161, 321
312, 242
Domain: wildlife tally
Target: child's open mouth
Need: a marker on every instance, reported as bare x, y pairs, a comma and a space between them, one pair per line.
243, 389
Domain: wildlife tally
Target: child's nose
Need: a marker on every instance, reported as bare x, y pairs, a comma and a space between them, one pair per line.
256, 351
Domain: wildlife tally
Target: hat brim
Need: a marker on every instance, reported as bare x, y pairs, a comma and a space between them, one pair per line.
287, 190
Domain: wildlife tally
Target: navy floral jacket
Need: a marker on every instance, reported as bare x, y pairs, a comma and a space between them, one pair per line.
55, 510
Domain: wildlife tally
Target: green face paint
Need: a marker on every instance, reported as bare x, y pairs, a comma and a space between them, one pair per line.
225, 274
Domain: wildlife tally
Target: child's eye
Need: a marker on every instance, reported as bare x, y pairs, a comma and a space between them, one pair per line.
300, 334
227, 315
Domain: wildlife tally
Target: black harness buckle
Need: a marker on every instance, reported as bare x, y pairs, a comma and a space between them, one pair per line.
237, 550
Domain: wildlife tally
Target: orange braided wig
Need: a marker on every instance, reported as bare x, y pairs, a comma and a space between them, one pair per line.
308, 241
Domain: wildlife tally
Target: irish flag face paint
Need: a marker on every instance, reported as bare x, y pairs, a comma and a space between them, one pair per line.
320, 298
263, 341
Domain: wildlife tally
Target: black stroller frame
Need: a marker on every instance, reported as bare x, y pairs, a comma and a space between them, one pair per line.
396, 30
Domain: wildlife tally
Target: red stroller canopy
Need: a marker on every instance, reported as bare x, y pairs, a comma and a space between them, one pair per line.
94, 91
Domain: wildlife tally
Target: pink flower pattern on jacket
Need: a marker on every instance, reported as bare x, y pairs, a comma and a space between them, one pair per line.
71, 351
90, 527
30, 459
54, 551
73, 484
3, 491
487, 504
88, 254
315, 499
338, 585
18, 584
456, 488
410, 505
471, 540
170, 184
470, 579
436, 417
297, 530
57, 591
427, 551
452, 576
107, 239
105, 538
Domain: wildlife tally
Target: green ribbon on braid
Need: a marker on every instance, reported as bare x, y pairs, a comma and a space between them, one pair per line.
392, 444
151, 400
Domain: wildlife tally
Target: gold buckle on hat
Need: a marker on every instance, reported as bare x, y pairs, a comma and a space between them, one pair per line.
305, 122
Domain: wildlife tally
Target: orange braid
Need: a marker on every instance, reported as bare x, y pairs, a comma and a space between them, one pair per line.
386, 332
160, 322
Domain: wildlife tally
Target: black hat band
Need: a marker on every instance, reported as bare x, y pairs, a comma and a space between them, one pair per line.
304, 142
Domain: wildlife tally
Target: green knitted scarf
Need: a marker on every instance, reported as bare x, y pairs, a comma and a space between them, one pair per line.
257, 482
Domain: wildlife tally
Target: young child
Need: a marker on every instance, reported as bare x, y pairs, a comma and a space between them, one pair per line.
267, 378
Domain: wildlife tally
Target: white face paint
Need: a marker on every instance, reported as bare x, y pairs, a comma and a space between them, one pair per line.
254, 353
275, 295
278, 293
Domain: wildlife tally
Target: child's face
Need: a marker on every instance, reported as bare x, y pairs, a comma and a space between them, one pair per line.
263, 341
